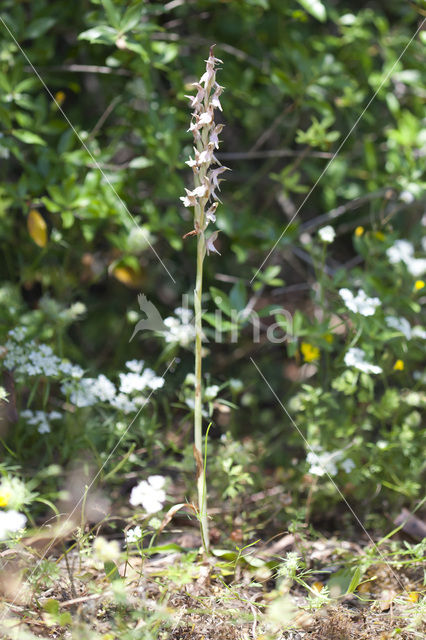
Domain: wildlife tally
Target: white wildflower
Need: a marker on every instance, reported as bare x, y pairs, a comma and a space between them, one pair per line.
135, 366
123, 403
150, 494
211, 392
71, 370
400, 324
355, 357
131, 382
133, 535
10, 522
347, 465
403, 251
40, 419
360, 303
327, 234
180, 330
323, 463
106, 551
418, 332
103, 388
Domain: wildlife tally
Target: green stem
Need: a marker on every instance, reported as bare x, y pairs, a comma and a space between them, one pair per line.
198, 444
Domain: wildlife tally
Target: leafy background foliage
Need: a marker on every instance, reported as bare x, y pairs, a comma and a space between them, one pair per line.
298, 76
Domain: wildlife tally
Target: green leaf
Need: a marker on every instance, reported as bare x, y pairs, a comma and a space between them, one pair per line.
28, 137
102, 34
315, 8
51, 606
344, 579
140, 163
221, 300
111, 571
356, 578
38, 27
112, 12
238, 296
131, 18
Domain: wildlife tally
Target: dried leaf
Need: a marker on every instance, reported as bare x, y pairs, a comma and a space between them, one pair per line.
37, 228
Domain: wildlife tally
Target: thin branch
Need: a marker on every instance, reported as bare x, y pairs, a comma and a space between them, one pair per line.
103, 117
344, 208
270, 130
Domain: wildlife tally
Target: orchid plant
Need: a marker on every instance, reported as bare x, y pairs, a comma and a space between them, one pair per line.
204, 200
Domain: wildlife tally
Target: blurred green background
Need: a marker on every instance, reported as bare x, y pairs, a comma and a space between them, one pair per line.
297, 76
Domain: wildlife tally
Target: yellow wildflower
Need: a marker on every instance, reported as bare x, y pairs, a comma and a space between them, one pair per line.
4, 498
379, 235
309, 352
413, 596
399, 365
60, 97
359, 231
419, 284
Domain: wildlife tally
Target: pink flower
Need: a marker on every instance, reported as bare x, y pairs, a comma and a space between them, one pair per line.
214, 135
214, 100
213, 179
210, 213
190, 200
196, 101
210, 243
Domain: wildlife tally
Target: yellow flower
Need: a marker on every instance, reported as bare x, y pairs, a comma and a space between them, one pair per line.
419, 284
413, 596
379, 235
4, 498
309, 352
60, 97
359, 231
399, 365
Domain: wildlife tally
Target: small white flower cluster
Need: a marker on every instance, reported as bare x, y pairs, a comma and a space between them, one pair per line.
31, 359
10, 522
180, 328
150, 494
355, 357
210, 393
41, 419
403, 251
403, 326
360, 303
328, 462
206, 138
133, 535
327, 234
89, 391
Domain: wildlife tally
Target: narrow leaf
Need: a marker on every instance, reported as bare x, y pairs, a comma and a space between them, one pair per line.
315, 8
